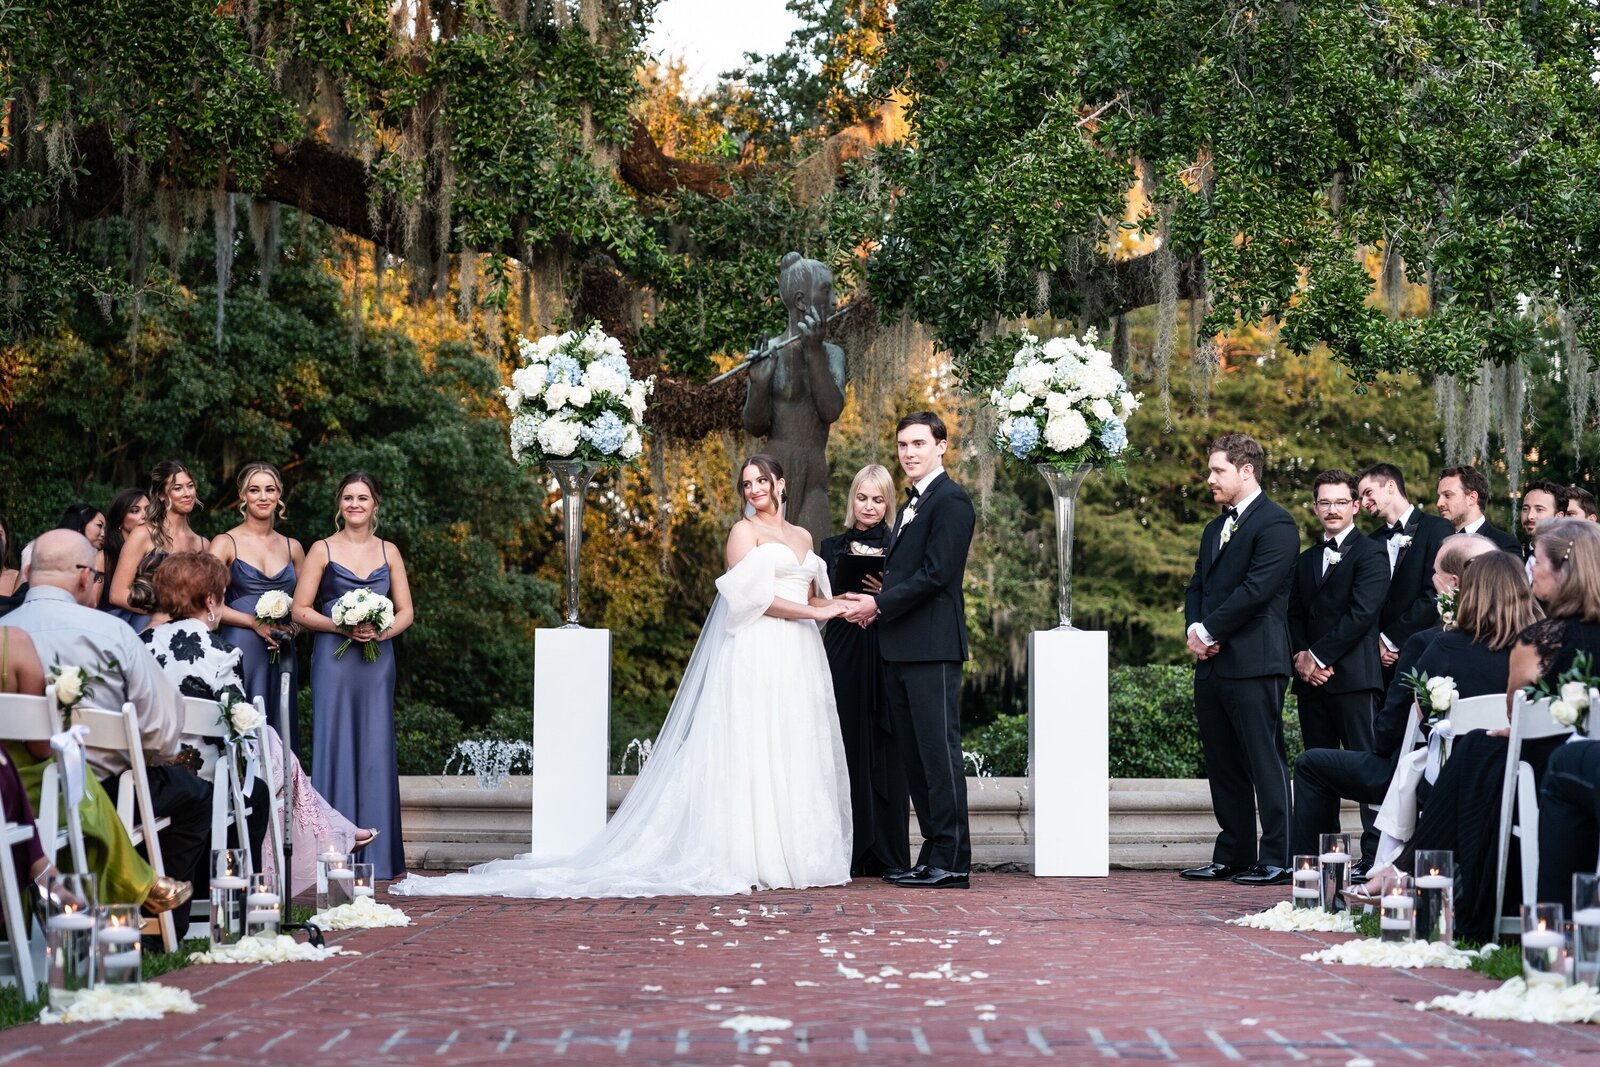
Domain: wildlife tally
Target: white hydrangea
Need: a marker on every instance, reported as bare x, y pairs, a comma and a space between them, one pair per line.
559, 436
1099, 381
1102, 409
599, 378
632, 444
512, 397
1056, 402
1057, 347
529, 380
1066, 431
1130, 404
1035, 379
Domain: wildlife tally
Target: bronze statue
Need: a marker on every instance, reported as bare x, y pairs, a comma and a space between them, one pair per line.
796, 392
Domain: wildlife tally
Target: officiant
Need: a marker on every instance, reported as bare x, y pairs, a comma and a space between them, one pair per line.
878, 791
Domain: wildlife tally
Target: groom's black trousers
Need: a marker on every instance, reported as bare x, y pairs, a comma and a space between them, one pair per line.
925, 706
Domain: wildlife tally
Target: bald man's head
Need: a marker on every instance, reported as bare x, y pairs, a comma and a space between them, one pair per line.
64, 559
1455, 552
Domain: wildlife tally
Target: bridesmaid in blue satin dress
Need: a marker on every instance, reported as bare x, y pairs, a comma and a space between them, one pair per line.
260, 559
353, 747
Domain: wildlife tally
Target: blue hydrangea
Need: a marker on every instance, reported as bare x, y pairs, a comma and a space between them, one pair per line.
1024, 437
616, 364
1114, 436
607, 433
1012, 376
565, 367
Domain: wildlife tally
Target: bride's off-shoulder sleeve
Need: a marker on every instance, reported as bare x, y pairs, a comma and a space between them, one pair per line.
748, 588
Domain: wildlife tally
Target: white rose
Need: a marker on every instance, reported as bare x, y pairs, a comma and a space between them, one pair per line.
1575, 693
632, 445
1020, 401
246, 719
1057, 347
1441, 692
1102, 409
1066, 431
557, 394
579, 396
1564, 712
69, 686
602, 379
529, 381
1130, 404
1099, 357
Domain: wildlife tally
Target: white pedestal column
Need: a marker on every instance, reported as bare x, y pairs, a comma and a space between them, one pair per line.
1068, 752
571, 736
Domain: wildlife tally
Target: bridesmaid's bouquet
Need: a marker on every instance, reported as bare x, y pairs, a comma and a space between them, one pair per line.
359, 606
273, 608
575, 398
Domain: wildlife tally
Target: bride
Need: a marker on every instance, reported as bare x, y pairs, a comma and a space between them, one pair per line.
746, 787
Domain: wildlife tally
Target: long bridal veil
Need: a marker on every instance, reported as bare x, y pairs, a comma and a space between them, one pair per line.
695, 822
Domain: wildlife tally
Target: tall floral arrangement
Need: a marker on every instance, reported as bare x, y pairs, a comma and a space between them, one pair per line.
1063, 404
574, 397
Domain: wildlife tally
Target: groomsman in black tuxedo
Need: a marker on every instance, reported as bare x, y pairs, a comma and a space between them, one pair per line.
1411, 541
1463, 494
1580, 504
1236, 609
1339, 587
1540, 501
922, 636
1323, 775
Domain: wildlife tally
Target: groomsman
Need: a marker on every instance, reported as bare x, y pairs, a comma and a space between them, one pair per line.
1580, 504
1540, 501
1411, 541
1463, 494
922, 636
1338, 591
1235, 609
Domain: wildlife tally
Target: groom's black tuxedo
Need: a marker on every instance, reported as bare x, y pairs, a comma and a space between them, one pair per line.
1333, 614
922, 634
1240, 594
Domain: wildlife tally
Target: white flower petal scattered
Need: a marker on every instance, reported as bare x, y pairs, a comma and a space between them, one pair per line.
1371, 952
1285, 917
149, 1000
752, 1024
266, 950
363, 913
1515, 1000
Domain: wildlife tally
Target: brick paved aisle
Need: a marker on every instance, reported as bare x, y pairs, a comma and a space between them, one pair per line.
1134, 967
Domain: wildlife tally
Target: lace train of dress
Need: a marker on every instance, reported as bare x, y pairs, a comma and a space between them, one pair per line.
746, 787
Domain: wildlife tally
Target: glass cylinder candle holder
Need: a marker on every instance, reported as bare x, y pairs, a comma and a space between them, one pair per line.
117, 959
1435, 894
329, 853
1335, 867
1397, 912
261, 903
1307, 876
365, 882
230, 882
341, 883
1586, 928
1544, 945
69, 936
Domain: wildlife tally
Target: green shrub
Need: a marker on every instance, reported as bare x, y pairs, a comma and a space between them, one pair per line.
424, 737
1152, 725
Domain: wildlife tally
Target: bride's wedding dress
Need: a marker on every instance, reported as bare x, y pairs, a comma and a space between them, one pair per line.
746, 787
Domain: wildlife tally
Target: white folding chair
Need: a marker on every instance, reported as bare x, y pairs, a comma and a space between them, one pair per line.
1530, 721
32, 718
1487, 712
115, 731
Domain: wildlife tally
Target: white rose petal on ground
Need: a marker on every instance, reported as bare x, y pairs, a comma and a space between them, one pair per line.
1284, 917
754, 1024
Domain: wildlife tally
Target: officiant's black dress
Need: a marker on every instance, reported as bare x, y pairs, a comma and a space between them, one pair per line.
879, 800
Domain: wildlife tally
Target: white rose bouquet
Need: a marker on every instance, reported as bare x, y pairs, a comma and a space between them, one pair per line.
1570, 694
359, 606
273, 608
1435, 696
241, 718
1063, 403
574, 397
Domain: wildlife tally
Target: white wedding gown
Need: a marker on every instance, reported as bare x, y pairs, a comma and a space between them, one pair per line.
746, 787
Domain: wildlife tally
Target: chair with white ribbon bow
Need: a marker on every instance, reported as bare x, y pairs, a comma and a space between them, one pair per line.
204, 719
1530, 721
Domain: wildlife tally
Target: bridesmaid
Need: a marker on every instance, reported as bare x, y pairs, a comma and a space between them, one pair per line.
259, 559
878, 791
352, 733
173, 498
125, 515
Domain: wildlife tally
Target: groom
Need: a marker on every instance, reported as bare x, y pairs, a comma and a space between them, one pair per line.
922, 634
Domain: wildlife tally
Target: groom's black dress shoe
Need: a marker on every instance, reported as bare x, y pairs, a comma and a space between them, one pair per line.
1212, 872
895, 876
932, 878
1263, 874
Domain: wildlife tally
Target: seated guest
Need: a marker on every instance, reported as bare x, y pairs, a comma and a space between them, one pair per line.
1580, 504
122, 876
1323, 775
1463, 496
190, 587
1567, 571
58, 615
1462, 813
20, 672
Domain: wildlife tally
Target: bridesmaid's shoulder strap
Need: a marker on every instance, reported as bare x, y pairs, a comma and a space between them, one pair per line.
234, 543
328, 549
384, 545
